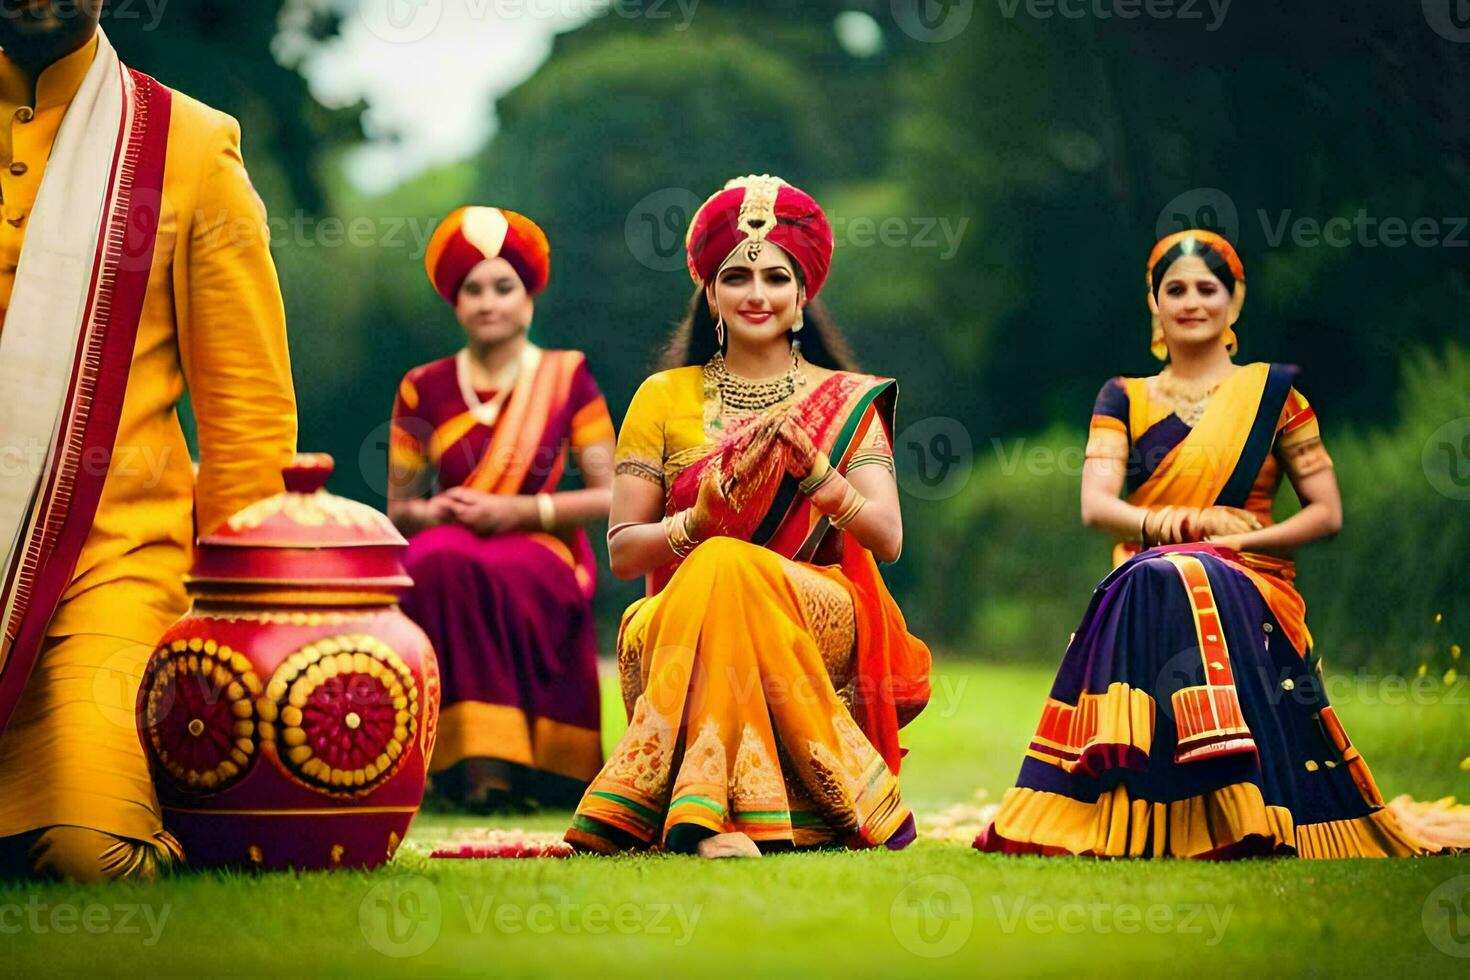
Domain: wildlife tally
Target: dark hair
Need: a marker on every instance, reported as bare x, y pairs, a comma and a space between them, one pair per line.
693, 340
1214, 261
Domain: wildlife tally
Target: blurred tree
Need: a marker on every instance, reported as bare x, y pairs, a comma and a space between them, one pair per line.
221, 52
1073, 144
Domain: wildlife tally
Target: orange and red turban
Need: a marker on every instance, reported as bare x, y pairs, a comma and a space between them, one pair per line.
471, 235
758, 208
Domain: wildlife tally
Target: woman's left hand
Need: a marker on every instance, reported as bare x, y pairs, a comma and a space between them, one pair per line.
801, 453
487, 513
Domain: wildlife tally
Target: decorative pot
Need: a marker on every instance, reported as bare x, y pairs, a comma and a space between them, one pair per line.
290, 716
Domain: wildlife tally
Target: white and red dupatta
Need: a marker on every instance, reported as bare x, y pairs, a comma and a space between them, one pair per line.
67, 343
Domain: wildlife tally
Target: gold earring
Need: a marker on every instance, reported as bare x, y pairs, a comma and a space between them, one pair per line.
1156, 342
720, 331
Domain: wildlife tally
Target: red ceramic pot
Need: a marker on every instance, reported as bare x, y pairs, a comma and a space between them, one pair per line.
289, 718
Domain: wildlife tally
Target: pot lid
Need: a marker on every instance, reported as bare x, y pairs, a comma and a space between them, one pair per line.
304, 538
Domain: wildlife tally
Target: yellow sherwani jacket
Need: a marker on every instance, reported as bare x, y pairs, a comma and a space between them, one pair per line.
213, 321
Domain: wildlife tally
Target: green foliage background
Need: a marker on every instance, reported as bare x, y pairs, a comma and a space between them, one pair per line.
1053, 149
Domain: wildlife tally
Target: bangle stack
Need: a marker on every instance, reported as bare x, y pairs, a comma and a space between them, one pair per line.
847, 508
822, 471
676, 530
546, 511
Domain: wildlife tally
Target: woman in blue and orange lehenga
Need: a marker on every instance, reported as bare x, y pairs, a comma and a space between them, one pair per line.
768, 670
503, 572
1188, 718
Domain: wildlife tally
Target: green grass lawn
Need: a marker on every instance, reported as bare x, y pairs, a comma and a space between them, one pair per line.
937, 908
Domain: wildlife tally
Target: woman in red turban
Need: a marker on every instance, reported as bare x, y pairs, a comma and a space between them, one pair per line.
503, 572
768, 669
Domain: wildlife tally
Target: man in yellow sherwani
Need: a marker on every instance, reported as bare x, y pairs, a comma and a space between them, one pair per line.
134, 262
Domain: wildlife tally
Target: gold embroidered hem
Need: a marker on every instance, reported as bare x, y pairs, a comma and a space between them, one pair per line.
732, 676
1229, 822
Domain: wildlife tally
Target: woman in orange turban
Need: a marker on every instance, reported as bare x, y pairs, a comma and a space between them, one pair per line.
1188, 717
768, 670
503, 572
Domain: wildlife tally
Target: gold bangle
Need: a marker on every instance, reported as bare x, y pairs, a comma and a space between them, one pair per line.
852, 501
617, 529
821, 472
846, 517
676, 530
546, 511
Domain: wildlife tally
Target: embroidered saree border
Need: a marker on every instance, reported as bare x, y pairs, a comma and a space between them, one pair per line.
1207, 717
1233, 821
506, 466
1100, 731
62, 514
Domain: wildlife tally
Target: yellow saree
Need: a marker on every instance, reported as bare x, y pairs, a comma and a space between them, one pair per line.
765, 679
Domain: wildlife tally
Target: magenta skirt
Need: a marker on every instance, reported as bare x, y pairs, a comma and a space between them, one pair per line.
510, 617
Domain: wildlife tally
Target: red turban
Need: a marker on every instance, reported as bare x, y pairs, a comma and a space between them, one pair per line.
471, 235
755, 209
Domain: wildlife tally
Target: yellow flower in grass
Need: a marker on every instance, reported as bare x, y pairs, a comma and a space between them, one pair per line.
1449, 677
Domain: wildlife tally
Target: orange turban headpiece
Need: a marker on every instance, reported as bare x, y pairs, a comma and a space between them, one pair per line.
1219, 257
754, 209
471, 235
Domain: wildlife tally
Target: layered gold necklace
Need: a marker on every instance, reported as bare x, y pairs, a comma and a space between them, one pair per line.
736, 395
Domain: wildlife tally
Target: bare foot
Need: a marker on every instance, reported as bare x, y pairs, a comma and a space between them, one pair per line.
728, 846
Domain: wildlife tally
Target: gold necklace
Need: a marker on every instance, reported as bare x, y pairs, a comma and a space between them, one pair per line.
1189, 400
739, 394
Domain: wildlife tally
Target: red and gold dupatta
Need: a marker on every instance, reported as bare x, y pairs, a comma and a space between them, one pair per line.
515, 461
892, 684
67, 343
